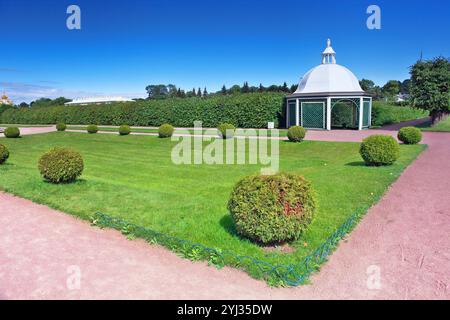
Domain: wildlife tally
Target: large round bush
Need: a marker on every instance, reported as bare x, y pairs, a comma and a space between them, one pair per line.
92, 128
409, 135
226, 130
4, 154
296, 133
61, 127
272, 209
379, 150
124, 130
165, 130
61, 165
12, 132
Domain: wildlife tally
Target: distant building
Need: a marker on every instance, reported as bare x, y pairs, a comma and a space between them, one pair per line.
5, 100
401, 97
96, 100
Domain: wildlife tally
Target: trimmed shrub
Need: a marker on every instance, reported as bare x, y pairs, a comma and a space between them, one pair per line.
92, 128
124, 130
61, 165
272, 209
296, 133
226, 130
61, 127
409, 135
12, 132
4, 154
379, 150
165, 131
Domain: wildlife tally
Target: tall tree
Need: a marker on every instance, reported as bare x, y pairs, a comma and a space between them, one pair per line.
429, 89
391, 88
245, 88
284, 87
367, 85
199, 92
157, 91
223, 91
205, 92
261, 88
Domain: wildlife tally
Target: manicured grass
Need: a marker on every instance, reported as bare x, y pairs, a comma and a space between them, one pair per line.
133, 177
442, 126
282, 132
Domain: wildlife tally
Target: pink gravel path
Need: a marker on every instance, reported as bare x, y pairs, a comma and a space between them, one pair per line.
406, 236
34, 130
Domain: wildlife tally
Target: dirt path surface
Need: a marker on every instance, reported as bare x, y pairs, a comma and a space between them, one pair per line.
400, 250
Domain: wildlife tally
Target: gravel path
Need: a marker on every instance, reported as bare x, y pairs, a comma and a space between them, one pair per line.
400, 250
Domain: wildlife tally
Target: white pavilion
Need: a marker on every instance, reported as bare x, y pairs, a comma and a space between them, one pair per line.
329, 96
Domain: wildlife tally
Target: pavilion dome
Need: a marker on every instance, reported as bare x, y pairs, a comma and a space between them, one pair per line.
329, 77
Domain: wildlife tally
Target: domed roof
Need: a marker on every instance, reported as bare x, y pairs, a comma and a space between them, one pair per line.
329, 77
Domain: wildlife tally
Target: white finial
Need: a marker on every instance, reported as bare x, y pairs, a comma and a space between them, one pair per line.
328, 55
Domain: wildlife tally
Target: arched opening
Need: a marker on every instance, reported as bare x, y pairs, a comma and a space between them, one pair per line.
344, 114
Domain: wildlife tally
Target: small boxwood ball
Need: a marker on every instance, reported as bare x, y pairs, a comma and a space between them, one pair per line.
226, 130
61, 165
409, 135
12, 132
124, 130
61, 127
165, 130
379, 150
92, 128
296, 133
272, 209
4, 154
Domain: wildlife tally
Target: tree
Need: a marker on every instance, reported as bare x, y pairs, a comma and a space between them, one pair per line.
224, 90
245, 88
404, 86
199, 92
285, 88
293, 88
4, 107
367, 85
235, 89
205, 92
390, 89
429, 89
157, 91
24, 105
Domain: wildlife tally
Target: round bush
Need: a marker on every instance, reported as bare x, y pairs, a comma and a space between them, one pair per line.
4, 154
61, 165
61, 127
165, 131
272, 209
124, 130
409, 135
226, 130
379, 150
296, 133
92, 128
12, 132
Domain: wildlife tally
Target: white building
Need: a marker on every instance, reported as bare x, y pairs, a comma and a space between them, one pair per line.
5, 100
97, 100
329, 96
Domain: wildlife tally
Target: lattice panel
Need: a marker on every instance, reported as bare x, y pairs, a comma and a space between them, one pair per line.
313, 115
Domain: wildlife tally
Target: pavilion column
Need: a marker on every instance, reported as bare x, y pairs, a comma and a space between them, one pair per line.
361, 106
297, 112
328, 113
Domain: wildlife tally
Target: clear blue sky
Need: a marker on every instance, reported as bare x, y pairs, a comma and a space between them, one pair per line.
125, 45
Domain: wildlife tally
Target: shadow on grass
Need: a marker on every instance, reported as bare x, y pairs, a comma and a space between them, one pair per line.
356, 164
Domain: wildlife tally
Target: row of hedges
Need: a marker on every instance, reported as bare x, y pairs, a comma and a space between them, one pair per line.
251, 110
384, 113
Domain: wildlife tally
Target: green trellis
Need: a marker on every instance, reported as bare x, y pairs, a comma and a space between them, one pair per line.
313, 114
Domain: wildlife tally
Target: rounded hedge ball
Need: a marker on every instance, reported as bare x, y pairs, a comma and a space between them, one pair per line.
379, 150
92, 128
272, 209
12, 132
409, 135
61, 165
226, 130
61, 127
124, 130
296, 133
4, 154
165, 130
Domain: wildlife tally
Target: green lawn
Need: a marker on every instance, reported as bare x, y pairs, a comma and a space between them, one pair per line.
132, 177
442, 126
282, 132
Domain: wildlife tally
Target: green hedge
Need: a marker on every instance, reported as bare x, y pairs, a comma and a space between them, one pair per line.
384, 113
252, 110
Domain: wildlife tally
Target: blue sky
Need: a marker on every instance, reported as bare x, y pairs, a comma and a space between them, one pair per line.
125, 45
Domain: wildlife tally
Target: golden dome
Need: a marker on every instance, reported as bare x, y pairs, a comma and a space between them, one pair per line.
4, 97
